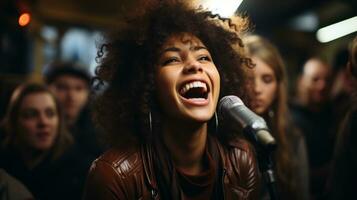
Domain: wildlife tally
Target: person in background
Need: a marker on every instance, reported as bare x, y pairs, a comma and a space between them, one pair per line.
166, 72
12, 189
314, 85
344, 174
312, 114
71, 85
270, 102
36, 148
342, 86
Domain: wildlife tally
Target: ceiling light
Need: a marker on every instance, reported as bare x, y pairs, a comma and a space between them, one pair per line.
225, 8
337, 30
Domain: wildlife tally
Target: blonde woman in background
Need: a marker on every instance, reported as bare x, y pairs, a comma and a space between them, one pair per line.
270, 102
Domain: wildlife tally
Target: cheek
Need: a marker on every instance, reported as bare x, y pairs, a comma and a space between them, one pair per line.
61, 96
165, 82
55, 124
83, 94
81, 98
163, 86
217, 77
165, 75
214, 76
26, 131
26, 127
271, 92
217, 83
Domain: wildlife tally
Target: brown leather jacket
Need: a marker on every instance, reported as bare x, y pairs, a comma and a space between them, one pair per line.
129, 174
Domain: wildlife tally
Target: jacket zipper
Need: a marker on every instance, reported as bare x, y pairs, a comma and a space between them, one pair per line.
154, 194
223, 187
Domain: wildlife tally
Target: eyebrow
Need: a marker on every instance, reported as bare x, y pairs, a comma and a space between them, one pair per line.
176, 49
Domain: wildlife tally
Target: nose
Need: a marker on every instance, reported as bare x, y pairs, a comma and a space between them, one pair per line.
257, 87
321, 85
42, 120
192, 66
71, 94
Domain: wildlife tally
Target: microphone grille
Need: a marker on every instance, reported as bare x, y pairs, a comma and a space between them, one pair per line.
227, 102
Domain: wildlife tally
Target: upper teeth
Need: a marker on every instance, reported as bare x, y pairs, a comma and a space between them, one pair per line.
195, 84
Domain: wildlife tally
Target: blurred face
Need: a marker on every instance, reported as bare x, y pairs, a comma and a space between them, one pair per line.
265, 88
72, 93
187, 80
38, 121
315, 81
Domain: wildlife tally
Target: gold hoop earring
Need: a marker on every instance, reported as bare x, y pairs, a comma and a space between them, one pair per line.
271, 113
216, 122
150, 122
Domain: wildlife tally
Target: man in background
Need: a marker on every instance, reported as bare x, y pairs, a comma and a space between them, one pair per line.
312, 114
71, 85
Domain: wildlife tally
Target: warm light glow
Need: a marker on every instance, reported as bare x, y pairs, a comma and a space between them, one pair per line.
24, 19
225, 8
337, 30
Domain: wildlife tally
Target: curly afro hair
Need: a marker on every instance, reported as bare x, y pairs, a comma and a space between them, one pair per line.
128, 59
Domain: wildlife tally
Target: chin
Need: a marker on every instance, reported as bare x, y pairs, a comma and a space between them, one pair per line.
44, 146
201, 117
259, 110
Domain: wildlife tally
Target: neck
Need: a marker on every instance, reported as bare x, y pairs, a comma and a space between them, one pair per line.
32, 158
186, 143
315, 107
70, 120
303, 100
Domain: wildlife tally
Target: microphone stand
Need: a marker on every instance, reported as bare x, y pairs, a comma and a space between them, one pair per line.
266, 164
266, 168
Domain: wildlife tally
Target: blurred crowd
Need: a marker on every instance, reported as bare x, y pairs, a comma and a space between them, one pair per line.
49, 140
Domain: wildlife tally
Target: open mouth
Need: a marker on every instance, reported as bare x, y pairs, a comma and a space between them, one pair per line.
194, 90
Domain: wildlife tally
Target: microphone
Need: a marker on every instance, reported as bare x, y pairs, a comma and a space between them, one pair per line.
232, 109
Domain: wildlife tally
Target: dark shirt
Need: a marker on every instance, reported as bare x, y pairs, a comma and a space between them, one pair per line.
60, 179
200, 186
344, 173
319, 131
86, 136
12, 189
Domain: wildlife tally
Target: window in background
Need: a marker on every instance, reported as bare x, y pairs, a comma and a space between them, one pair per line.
79, 45
75, 44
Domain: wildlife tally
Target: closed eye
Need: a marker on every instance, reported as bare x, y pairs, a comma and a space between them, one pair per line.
268, 78
204, 58
170, 61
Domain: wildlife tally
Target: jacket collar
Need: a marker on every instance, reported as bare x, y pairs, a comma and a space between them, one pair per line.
146, 153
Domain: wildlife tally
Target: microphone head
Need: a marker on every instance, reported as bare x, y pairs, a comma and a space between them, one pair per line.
232, 109
228, 102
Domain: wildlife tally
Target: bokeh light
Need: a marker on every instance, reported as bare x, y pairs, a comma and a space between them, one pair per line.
24, 19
